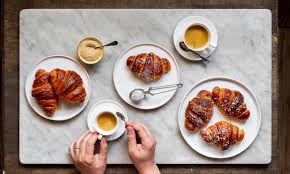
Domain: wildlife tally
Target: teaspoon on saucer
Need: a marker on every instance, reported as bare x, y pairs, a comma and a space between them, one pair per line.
185, 48
121, 116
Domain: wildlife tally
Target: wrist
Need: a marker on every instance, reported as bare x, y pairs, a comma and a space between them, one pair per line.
150, 168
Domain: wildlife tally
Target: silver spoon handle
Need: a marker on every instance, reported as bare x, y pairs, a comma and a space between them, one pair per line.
162, 92
121, 116
174, 86
109, 44
179, 85
185, 48
202, 57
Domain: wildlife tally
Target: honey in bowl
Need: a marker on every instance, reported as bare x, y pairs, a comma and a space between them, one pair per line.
106, 121
196, 37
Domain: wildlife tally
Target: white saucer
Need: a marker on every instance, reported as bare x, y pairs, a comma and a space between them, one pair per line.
125, 81
107, 105
179, 33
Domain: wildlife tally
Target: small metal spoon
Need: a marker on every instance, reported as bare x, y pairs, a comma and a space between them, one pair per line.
185, 48
109, 44
139, 94
121, 116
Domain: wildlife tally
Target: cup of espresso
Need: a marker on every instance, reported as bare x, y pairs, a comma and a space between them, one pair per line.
197, 37
106, 123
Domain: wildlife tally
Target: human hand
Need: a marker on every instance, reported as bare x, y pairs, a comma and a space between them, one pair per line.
142, 155
82, 154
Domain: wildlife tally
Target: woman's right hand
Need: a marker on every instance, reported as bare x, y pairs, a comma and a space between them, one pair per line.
142, 155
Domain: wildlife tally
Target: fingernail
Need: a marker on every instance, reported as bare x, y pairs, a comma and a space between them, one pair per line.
129, 129
103, 139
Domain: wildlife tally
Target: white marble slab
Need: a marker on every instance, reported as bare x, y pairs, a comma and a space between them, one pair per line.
244, 53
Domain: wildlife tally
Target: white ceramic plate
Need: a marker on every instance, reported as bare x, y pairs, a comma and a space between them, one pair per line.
107, 105
65, 110
251, 125
178, 36
125, 81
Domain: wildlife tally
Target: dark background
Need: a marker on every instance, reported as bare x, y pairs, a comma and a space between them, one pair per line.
1, 117
280, 83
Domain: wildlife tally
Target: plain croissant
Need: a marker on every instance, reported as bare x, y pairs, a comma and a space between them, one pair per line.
223, 134
148, 66
230, 103
43, 92
68, 85
199, 110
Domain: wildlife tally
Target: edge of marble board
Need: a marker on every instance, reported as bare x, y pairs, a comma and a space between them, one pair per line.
267, 161
268, 11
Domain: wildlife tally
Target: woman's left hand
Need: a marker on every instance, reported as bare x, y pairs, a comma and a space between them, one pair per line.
82, 154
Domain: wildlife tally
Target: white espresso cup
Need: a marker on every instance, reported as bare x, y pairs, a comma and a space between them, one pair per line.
101, 131
206, 46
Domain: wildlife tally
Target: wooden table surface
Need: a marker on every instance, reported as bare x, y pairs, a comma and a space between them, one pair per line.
11, 63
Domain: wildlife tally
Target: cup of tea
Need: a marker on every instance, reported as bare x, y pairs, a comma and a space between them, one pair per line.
197, 37
106, 123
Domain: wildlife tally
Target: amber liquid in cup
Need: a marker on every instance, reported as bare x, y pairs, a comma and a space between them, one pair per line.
106, 121
196, 37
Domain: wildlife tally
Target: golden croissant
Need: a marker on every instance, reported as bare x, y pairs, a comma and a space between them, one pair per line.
68, 85
223, 134
148, 66
43, 92
230, 103
199, 110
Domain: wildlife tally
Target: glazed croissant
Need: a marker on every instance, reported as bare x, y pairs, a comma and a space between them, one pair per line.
68, 85
43, 92
223, 134
199, 111
148, 66
230, 103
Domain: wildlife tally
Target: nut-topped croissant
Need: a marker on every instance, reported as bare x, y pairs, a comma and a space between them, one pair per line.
223, 134
148, 66
199, 111
68, 85
43, 92
231, 103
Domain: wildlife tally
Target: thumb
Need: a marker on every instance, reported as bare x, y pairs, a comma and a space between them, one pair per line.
132, 145
103, 148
